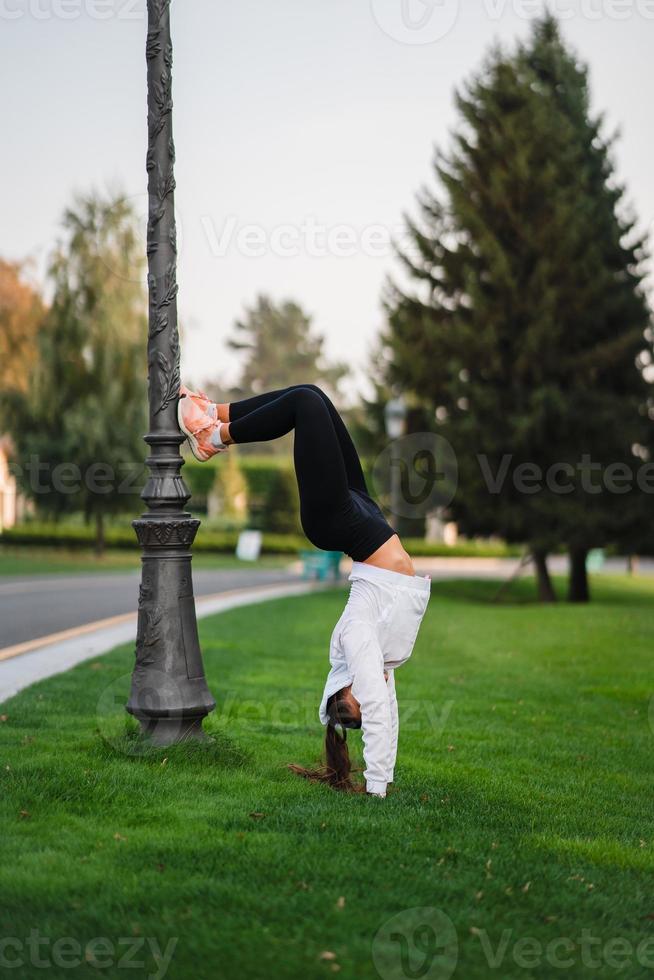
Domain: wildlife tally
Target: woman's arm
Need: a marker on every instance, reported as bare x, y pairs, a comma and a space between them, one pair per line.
369, 687
395, 722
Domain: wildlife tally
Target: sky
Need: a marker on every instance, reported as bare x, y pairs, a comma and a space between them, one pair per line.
303, 130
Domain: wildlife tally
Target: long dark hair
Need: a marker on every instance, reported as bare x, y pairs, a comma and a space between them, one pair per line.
337, 770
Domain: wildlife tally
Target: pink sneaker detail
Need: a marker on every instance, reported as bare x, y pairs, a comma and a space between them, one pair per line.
202, 401
197, 419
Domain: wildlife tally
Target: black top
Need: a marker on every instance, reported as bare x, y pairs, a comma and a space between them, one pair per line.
369, 528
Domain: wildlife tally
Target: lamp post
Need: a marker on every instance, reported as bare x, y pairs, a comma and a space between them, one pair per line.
395, 414
169, 694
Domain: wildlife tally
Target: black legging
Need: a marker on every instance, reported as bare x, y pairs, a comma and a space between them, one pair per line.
327, 465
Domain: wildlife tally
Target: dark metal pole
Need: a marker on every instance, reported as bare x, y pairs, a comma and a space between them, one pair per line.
169, 693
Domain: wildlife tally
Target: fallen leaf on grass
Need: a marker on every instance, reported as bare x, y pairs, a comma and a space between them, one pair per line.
257, 816
340, 904
119, 837
526, 886
25, 815
4, 717
327, 955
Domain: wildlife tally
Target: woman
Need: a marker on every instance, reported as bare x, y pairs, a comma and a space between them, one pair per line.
387, 600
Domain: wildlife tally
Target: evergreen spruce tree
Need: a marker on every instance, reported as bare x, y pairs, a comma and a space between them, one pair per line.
280, 348
528, 315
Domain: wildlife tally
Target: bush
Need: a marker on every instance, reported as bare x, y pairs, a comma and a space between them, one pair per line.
199, 478
228, 497
419, 548
224, 542
66, 535
260, 473
73, 536
281, 509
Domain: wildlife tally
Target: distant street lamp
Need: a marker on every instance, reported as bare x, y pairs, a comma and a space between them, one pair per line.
169, 694
395, 417
395, 414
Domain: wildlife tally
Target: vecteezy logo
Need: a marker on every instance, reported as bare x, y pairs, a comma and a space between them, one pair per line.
416, 475
416, 944
415, 21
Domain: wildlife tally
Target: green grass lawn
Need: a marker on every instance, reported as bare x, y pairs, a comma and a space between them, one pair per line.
26, 560
522, 811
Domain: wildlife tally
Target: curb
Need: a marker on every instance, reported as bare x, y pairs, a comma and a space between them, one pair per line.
26, 663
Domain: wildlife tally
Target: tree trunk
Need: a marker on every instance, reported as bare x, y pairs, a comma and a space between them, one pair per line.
99, 535
578, 582
545, 588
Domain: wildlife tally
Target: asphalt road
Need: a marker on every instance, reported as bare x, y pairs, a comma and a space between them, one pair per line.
40, 605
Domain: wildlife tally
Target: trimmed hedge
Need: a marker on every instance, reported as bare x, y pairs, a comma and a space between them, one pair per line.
419, 548
66, 535
70, 536
74, 536
273, 502
259, 472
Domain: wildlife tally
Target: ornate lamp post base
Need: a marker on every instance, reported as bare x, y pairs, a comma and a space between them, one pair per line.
170, 731
169, 694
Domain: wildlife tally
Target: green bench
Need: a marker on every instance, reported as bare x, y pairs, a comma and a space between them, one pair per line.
321, 564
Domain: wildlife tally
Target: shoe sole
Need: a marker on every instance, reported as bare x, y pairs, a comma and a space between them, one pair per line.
192, 441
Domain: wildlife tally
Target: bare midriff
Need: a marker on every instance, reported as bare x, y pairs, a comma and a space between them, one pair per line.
392, 556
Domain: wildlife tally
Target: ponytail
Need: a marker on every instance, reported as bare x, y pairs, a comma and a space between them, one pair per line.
337, 770
337, 759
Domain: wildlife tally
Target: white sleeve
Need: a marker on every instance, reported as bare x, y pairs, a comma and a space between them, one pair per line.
366, 664
395, 722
